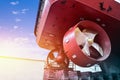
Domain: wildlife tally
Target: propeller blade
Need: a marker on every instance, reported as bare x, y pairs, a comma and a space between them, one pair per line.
80, 37
98, 48
85, 49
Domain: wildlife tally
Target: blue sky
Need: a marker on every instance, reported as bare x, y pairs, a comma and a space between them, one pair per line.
17, 22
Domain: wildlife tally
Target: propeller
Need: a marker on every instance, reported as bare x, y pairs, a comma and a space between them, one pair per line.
86, 43
85, 39
57, 59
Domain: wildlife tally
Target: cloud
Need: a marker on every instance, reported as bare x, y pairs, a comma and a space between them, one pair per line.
14, 3
15, 12
23, 11
15, 27
21, 40
17, 19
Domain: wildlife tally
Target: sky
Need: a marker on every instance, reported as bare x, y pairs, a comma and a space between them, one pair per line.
17, 22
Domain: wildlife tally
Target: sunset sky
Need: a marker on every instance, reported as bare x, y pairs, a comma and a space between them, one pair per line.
17, 22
